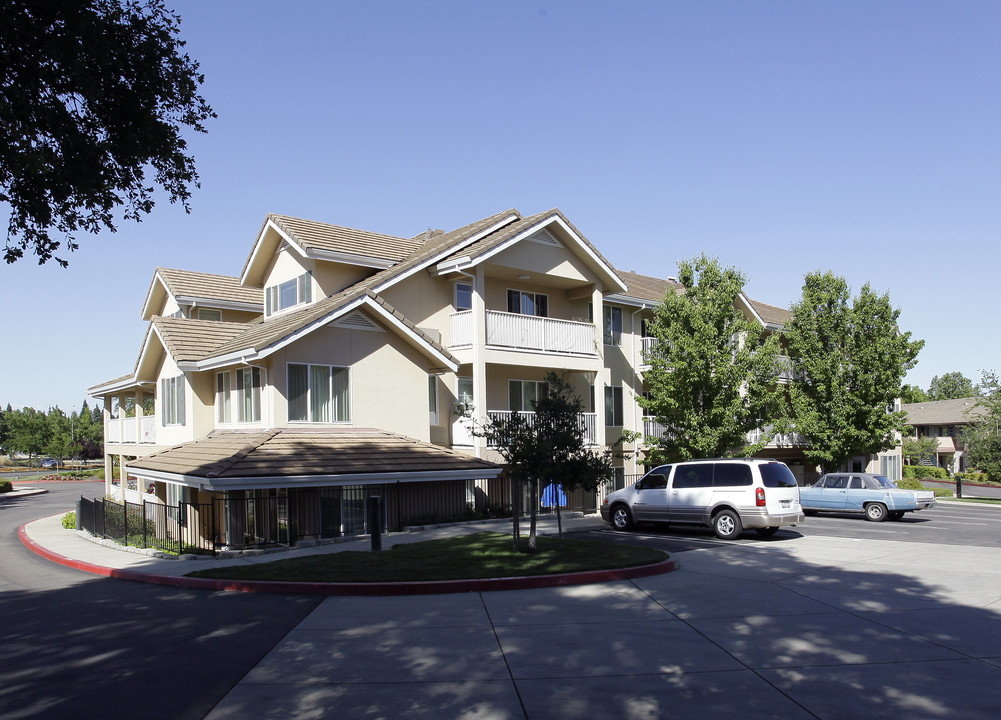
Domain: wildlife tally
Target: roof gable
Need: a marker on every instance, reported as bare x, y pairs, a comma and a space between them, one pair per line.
202, 289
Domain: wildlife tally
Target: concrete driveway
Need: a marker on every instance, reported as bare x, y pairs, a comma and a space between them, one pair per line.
818, 627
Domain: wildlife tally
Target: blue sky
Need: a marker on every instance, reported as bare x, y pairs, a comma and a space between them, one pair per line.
781, 137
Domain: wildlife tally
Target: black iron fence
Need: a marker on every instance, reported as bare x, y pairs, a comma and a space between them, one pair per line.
174, 529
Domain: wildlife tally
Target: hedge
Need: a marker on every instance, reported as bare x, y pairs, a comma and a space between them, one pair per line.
6, 486
974, 477
925, 472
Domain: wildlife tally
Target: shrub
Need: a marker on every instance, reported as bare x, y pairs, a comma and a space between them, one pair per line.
69, 521
6, 486
910, 484
925, 472
973, 477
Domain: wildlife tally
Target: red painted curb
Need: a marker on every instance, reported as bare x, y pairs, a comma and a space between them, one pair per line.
381, 589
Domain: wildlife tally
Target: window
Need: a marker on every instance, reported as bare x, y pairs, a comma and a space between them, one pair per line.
238, 396
695, 476
619, 478
209, 314
613, 325
463, 296
527, 303
613, 406
732, 474
433, 398
464, 390
318, 393
522, 394
172, 400
288, 294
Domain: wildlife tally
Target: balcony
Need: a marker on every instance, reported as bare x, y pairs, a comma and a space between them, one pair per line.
512, 331
588, 422
792, 439
653, 429
139, 430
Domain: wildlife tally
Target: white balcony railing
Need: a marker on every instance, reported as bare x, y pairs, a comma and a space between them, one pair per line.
588, 421
139, 430
652, 428
526, 332
792, 439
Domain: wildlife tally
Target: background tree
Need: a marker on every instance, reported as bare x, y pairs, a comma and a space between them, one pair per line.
712, 379
910, 394
849, 359
94, 94
61, 442
27, 431
549, 447
916, 450
983, 437
951, 386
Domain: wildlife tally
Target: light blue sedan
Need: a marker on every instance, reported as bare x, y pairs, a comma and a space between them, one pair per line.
875, 495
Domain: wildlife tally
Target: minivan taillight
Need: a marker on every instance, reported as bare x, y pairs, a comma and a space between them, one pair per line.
759, 497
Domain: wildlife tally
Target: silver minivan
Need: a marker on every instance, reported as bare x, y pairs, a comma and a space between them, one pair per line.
726, 494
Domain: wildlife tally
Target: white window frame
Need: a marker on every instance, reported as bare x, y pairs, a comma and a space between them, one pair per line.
172, 400
459, 306
540, 387
522, 296
309, 397
231, 400
301, 285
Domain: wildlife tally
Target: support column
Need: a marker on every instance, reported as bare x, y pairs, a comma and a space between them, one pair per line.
479, 363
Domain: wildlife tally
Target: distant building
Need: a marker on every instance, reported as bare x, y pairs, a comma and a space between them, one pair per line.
944, 420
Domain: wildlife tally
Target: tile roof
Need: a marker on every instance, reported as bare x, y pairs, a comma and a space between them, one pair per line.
185, 283
944, 412
229, 455
643, 287
770, 313
311, 235
190, 340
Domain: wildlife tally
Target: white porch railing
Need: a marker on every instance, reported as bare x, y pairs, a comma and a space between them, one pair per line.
139, 430
652, 428
588, 421
785, 369
526, 332
792, 439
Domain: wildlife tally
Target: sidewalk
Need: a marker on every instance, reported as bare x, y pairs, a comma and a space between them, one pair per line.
48, 538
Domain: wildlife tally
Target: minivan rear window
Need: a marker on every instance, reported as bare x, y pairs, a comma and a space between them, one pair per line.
777, 475
732, 475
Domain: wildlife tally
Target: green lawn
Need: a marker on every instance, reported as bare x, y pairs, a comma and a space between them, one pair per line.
481, 555
983, 501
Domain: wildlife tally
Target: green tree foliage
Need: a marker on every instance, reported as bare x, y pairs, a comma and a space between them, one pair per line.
713, 376
549, 447
951, 386
849, 359
910, 394
915, 450
53, 433
28, 431
95, 93
4, 414
983, 437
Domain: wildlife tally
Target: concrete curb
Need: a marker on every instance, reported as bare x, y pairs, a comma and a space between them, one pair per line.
378, 589
23, 493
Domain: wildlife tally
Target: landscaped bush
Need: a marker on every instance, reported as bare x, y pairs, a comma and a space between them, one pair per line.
910, 484
69, 521
6, 486
973, 477
925, 472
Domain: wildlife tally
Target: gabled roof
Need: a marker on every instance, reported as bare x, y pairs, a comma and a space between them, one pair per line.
645, 289
768, 314
192, 340
203, 289
307, 458
513, 232
322, 241
944, 412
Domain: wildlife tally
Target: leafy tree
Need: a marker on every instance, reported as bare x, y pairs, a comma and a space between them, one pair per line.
713, 377
89, 433
61, 442
915, 450
28, 431
951, 386
94, 94
983, 437
849, 358
910, 394
549, 447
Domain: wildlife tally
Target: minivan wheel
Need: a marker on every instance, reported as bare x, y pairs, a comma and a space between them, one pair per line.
875, 512
766, 531
727, 525
621, 518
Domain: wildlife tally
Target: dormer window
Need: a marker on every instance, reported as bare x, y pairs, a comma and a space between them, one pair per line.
288, 294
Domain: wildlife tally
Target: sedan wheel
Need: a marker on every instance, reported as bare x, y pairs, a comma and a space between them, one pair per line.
727, 525
621, 518
875, 512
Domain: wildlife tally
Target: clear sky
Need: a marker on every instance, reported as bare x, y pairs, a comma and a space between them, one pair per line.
782, 137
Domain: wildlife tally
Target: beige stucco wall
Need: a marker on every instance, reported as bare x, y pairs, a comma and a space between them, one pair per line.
331, 278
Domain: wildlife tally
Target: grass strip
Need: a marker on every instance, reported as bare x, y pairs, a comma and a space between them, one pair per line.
480, 555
